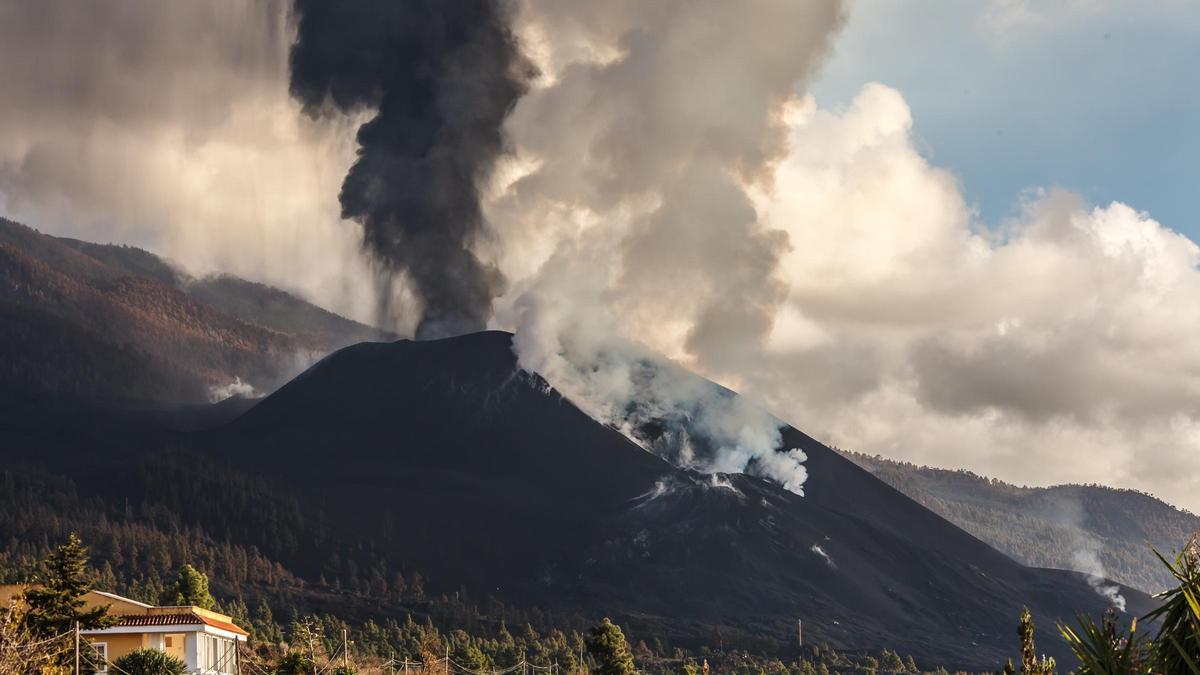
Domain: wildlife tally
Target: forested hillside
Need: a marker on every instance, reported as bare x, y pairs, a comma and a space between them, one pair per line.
1062, 527
236, 528
86, 323
137, 547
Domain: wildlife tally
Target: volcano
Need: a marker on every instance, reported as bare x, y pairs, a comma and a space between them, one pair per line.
445, 453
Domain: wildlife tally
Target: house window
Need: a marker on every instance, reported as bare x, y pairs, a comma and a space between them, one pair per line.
101, 649
216, 654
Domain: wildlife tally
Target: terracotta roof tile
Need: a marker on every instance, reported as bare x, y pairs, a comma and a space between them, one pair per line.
181, 619
158, 619
224, 625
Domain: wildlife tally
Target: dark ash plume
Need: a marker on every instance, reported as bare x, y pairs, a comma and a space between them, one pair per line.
443, 75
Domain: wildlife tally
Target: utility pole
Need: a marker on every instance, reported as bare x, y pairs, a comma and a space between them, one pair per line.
800, 632
76, 648
392, 663
447, 657
345, 653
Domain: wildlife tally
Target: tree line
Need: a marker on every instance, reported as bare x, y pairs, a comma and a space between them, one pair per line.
313, 644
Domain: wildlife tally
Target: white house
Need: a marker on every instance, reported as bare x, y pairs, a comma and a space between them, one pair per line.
204, 640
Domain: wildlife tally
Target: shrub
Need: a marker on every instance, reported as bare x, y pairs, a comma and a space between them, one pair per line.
294, 663
149, 661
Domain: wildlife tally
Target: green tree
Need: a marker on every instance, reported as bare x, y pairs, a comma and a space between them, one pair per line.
465, 653
1030, 663
190, 588
890, 662
149, 661
56, 598
608, 647
263, 626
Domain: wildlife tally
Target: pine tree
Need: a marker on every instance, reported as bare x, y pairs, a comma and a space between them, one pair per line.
56, 600
889, 662
608, 647
191, 588
264, 626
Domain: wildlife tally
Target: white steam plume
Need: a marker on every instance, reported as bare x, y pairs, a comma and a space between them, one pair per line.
635, 156
218, 393
1087, 560
1085, 557
669, 411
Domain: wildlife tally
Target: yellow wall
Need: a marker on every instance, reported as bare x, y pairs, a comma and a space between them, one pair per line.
121, 644
115, 606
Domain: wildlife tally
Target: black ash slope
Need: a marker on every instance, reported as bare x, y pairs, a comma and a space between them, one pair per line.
445, 455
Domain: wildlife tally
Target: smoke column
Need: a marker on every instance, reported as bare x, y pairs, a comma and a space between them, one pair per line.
629, 222
1070, 512
442, 75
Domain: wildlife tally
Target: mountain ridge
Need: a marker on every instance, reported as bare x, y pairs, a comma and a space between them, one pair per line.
125, 312
1049, 526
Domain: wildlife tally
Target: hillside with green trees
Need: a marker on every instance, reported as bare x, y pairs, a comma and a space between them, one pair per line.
439, 635
1064, 527
36, 637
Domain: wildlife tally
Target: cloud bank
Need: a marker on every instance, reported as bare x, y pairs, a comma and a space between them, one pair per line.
816, 261
168, 125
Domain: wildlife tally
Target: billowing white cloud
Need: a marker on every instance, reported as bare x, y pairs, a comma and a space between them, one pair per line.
1056, 347
627, 206
843, 280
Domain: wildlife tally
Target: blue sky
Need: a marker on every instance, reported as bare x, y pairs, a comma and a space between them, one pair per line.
1098, 97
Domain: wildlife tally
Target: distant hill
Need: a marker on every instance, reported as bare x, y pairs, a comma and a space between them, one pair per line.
1054, 526
118, 326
